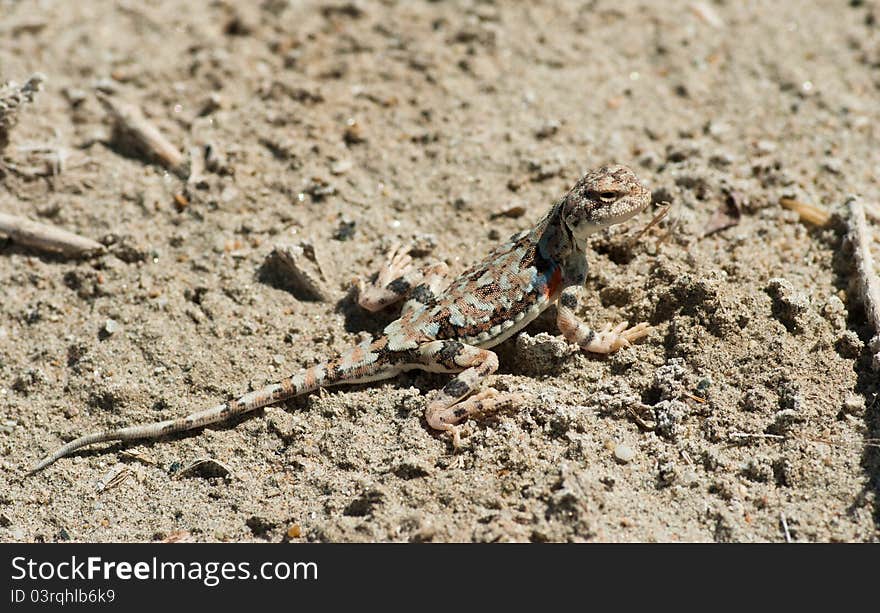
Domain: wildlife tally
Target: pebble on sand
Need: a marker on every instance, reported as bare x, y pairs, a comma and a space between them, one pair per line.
624, 453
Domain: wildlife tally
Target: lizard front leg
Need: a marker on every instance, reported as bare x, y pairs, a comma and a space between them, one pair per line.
435, 278
607, 340
451, 404
399, 279
394, 280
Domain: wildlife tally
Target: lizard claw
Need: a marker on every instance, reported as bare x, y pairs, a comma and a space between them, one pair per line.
609, 340
399, 263
378, 294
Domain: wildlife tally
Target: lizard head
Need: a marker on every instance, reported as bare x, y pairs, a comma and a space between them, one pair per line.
601, 198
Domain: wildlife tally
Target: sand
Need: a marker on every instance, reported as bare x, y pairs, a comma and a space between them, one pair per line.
747, 415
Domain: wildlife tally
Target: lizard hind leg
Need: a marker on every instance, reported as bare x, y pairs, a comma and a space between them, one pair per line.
454, 403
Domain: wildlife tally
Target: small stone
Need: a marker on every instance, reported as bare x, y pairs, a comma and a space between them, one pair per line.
228, 194
354, 133
512, 211
835, 311
765, 146
756, 399
541, 353
345, 230
294, 531
340, 167
789, 306
666, 473
668, 415
784, 421
205, 468
210, 104
422, 245
624, 453
301, 263
111, 326
717, 128
547, 129
318, 188
74, 96
853, 405
849, 345
832, 165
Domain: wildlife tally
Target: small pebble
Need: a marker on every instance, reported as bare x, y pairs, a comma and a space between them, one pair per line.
228, 194
765, 146
354, 132
833, 165
853, 405
513, 211
345, 230
340, 167
547, 129
624, 453
111, 326
422, 245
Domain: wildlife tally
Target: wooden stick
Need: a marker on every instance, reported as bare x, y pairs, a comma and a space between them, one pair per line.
784, 523
47, 238
777, 437
661, 213
131, 120
869, 287
810, 213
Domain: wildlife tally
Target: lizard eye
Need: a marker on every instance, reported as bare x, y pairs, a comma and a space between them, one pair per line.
607, 196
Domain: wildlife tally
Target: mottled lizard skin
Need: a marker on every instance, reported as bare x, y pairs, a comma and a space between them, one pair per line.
449, 326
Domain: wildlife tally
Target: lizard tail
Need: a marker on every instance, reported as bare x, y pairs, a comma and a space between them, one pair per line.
359, 364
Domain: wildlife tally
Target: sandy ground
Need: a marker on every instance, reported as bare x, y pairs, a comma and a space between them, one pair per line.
359, 124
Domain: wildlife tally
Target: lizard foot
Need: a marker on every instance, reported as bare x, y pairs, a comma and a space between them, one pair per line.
609, 340
384, 291
448, 418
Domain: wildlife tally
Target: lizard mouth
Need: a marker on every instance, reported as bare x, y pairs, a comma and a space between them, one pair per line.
635, 205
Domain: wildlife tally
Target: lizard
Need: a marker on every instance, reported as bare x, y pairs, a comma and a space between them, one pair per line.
450, 326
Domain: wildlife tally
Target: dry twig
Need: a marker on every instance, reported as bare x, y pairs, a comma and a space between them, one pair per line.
809, 213
662, 211
132, 122
47, 238
869, 287
777, 437
784, 523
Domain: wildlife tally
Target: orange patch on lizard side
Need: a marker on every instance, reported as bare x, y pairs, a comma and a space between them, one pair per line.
554, 283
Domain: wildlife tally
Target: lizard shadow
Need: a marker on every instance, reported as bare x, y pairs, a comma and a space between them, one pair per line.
120, 142
357, 319
270, 273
